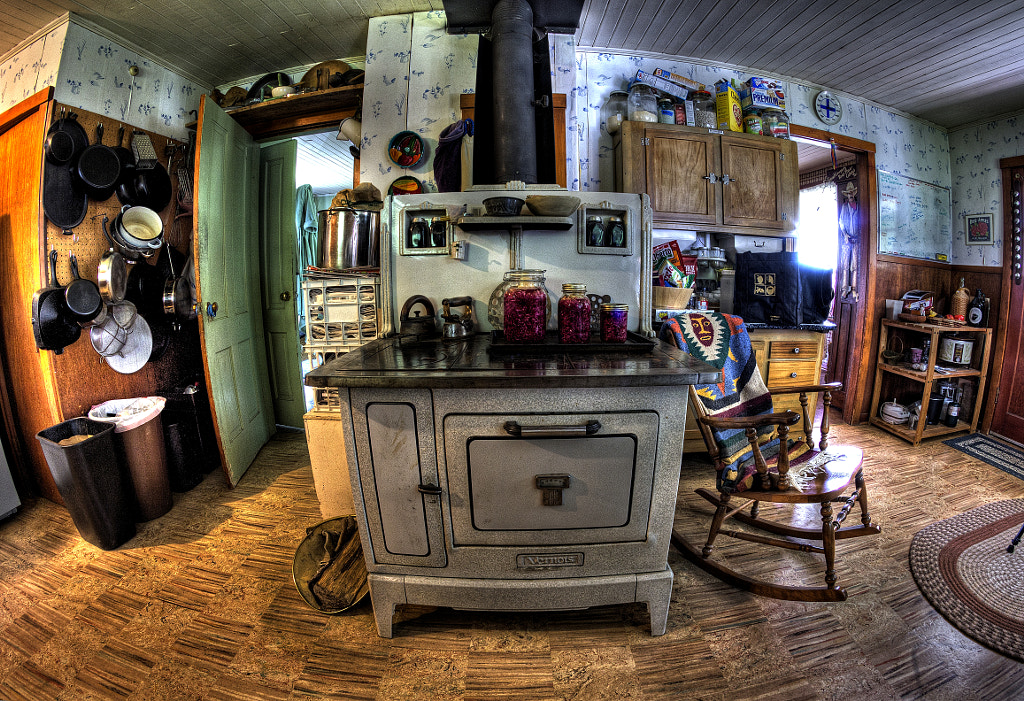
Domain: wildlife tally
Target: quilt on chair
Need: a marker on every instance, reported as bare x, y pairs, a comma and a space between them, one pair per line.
721, 340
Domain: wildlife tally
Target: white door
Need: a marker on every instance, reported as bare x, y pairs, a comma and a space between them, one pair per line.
279, 269
228, 288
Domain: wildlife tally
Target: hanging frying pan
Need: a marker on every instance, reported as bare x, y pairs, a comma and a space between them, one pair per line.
52, 325
112, 276
82, 296
64, 202
60, 144
97, 169
152, 187
125, 188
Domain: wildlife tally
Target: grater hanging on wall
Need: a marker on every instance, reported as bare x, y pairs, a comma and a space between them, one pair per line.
142, 148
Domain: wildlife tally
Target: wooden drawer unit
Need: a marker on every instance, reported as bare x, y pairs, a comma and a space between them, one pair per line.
786, 358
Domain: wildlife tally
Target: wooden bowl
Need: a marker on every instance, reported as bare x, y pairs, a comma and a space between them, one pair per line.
553, 205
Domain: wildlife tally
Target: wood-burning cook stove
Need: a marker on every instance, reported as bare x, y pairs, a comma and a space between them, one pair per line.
513, 483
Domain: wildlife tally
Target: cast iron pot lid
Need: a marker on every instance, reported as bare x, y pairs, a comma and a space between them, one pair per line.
64, 203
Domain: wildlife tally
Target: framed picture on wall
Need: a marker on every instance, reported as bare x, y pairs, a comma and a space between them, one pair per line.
978, 229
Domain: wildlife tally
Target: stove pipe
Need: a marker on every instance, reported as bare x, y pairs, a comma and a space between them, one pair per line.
515, 130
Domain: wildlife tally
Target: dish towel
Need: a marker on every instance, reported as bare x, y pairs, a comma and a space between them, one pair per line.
454, 156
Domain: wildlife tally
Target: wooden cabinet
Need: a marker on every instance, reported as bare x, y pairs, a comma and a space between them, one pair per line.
785, 358
896, 380
729, 182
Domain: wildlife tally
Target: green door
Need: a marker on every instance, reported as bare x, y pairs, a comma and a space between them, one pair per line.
279, 269
228, 288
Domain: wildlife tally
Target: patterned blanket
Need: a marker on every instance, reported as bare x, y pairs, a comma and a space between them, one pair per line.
722, 341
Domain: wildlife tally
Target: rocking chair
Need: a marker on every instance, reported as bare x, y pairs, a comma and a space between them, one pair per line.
744, 438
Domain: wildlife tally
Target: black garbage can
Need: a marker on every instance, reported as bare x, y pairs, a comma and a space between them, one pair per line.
189, 435
92, 480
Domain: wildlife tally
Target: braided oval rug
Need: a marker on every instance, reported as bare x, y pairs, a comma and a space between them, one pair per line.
961, 566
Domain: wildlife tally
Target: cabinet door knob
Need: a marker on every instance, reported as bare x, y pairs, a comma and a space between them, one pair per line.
285, 296
796, 350
793, 375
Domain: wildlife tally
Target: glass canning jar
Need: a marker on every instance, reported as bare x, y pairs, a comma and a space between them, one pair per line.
643, 103
525, 306
614, 318
614, 111
574, 314
705, 111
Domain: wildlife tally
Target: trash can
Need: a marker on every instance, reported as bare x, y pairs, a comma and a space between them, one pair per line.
92, 479
139, 432
188, 434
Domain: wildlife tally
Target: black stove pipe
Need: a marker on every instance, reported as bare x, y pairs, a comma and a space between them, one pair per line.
515, 131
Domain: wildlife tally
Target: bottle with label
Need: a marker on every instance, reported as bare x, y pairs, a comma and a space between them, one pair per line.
976, 310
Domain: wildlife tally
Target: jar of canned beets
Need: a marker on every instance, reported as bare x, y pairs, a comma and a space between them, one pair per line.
526, 305
613, 322
574, 314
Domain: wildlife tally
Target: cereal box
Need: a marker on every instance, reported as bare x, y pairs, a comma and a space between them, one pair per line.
727, 104
666, 86
687, 83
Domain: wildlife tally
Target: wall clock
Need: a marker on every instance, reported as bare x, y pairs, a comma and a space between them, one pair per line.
828, 107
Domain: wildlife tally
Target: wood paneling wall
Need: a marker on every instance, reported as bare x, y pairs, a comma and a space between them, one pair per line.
31, 401
895, 276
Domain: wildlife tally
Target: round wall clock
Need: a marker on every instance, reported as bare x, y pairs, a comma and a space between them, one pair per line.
828, 107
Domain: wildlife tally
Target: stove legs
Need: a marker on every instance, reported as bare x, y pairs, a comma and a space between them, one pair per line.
655, 589
386, 592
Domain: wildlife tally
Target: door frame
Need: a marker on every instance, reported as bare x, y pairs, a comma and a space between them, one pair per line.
1006, 166
857, 376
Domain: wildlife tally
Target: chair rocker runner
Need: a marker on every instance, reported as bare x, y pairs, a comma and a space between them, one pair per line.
743, 437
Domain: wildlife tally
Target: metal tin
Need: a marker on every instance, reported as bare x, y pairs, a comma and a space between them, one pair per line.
956, 350
349, 238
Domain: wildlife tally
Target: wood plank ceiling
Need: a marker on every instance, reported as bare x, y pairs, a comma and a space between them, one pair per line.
951, 62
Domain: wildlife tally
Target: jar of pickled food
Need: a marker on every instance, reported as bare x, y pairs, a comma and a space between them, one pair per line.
574, 314
643, 103
525, 307
614, 318
752, 123
705, 112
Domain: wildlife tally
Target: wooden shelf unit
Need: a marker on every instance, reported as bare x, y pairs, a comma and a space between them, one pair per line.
977, 369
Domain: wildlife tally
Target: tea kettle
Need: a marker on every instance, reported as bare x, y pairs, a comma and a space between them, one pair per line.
457, 325
425, 326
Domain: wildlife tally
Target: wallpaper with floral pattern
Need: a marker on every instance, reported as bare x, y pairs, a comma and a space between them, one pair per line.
974, 154
90, 72
33, 68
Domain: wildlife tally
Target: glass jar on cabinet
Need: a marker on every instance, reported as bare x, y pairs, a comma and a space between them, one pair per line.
614, 111
643, 103
496, 302
705, 111
525, 307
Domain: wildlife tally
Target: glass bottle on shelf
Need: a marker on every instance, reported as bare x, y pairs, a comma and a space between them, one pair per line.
613, 111
525, 307
643, 103
574, 314
976, 309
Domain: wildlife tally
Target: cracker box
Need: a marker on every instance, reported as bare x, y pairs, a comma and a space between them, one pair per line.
688, 83
761, 93
665, 86
727, 104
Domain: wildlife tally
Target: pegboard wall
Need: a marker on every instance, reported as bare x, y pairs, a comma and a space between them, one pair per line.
87, 241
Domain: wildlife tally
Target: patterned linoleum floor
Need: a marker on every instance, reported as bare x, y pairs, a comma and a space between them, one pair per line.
201, 605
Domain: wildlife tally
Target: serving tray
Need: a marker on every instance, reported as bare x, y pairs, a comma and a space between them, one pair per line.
635, 344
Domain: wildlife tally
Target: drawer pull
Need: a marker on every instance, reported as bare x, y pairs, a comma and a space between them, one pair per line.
797, 349
429, 490
792, 374
514, 428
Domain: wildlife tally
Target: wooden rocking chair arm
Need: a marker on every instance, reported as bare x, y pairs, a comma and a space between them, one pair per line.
787, 418
828, 387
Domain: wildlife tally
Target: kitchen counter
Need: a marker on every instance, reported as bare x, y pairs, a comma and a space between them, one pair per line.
823, 327
401, 362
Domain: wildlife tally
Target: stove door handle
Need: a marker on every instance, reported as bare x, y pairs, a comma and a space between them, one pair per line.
514, 428
429, 490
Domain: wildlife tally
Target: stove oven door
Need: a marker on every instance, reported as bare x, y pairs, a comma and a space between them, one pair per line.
398, 481
550, 479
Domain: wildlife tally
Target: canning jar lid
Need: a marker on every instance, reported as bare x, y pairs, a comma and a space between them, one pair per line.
612, 307
578, 287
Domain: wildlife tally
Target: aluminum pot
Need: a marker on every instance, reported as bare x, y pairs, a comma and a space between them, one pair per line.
349, 238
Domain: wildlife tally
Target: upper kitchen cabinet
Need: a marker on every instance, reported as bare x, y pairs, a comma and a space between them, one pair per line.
712, 181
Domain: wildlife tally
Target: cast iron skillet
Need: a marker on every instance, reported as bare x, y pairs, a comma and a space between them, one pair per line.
82, 296
125, 188
98, 168
64, 203
51, 323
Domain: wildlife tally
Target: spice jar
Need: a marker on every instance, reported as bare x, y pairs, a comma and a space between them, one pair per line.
574, 314
705, 112
613, 111
643, 103
613, 322
525, 306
